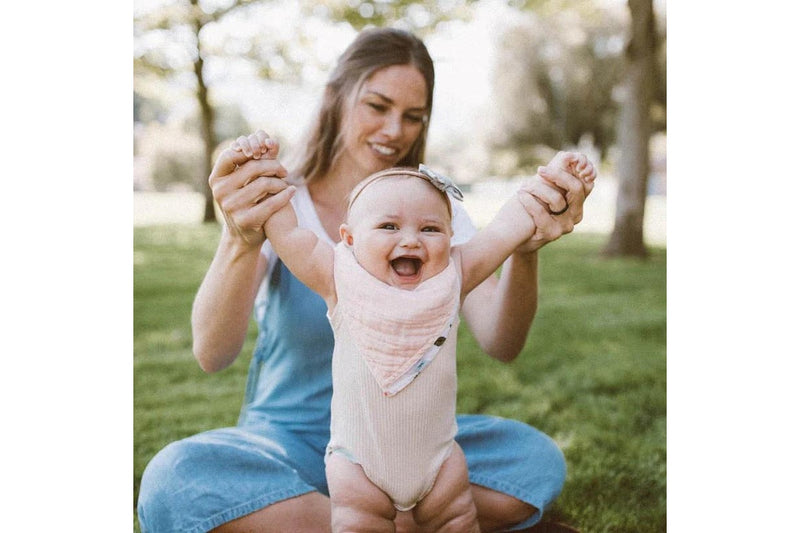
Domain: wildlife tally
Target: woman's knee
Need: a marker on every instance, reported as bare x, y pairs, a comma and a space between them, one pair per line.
539, 453
552, 455
158, 487
502, 452
545, 467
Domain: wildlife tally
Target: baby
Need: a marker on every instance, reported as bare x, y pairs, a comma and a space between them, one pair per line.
393, 287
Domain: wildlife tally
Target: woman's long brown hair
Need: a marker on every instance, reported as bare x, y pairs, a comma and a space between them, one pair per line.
372, 50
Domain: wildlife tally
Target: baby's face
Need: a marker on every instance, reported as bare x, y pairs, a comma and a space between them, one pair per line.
399, 229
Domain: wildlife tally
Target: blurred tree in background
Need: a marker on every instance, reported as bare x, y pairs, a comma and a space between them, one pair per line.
555, 83
578, 71
171, 42
635, 128
181, 24
419, 17
568, 74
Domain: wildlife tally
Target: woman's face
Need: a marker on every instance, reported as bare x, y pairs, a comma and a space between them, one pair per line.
387, 117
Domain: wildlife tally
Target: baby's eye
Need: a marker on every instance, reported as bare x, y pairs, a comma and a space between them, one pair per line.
415, 118
388, 225
431, 229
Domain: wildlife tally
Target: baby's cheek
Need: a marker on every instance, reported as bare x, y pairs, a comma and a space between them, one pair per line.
442, 259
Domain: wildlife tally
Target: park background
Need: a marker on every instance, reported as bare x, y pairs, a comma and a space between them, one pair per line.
68, 386
516, 81
514, 84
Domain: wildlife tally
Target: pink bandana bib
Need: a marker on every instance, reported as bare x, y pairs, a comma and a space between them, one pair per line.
397, 331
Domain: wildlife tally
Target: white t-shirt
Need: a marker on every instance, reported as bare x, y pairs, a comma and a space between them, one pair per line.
463, 230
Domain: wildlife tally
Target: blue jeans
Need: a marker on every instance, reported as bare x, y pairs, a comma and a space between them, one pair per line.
201, 482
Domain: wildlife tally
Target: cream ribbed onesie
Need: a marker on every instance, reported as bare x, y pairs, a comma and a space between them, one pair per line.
394, 377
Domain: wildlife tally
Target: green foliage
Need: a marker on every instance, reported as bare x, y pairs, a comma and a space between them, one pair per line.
147, 109
559, 75
172, 153
592, 375
181, 165
420, 17
228, 124
556, 81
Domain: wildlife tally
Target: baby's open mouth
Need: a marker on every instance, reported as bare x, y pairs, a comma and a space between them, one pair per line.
406, 266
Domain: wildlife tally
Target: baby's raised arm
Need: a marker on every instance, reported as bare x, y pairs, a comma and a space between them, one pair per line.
514, 224
308, 257
482, 255
305, 255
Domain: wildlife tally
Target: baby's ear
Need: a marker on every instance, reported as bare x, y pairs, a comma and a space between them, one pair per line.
346, 235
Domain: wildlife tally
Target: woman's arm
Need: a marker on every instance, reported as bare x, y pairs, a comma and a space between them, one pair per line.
248, 193
500, 311
224, 301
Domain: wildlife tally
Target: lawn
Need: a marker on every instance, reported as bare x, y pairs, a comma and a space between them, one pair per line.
592, 374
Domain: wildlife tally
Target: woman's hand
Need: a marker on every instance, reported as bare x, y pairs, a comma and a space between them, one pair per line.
247, 183
555, 197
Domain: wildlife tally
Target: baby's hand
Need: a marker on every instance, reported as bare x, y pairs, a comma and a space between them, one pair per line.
256, 145
561, 173
582, 168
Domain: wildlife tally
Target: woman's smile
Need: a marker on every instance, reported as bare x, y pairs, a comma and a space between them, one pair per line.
385, 150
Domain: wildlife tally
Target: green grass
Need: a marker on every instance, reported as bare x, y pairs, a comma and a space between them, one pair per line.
592, 374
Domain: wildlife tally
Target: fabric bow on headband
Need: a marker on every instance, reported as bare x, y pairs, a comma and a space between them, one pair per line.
443, 183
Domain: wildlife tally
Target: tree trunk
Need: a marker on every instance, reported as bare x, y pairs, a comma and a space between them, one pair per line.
633, 136
207, 118
209, 138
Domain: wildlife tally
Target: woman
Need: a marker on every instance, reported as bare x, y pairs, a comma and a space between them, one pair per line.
267, 474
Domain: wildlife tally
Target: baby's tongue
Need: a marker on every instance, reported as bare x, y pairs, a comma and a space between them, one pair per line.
405, 266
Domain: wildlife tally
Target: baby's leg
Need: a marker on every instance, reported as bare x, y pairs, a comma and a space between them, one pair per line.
448, 507
356, 503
